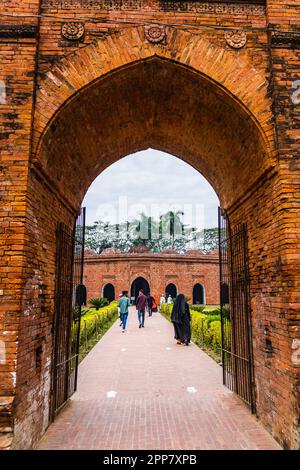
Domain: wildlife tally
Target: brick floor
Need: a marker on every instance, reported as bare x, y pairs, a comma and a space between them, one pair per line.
152, 408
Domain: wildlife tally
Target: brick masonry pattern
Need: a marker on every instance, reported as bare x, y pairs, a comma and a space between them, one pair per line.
158, 270
152, 408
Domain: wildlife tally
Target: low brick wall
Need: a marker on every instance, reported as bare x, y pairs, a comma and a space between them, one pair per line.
158, 270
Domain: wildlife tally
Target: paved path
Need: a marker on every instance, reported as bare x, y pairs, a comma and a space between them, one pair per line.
140, 390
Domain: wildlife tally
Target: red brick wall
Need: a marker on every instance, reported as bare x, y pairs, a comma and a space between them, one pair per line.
158, 270
75, 107
17, 73
284, 321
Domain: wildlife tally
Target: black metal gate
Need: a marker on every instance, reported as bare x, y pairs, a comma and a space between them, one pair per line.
237, 355
70, 295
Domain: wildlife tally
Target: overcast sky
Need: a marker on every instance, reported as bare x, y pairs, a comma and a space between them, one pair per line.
151, 182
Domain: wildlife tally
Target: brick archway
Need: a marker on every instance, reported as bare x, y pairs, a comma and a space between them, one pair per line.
108, 292
226, 78
171, 289
137, 283
235, 75
190, 98
208, 105
199, 294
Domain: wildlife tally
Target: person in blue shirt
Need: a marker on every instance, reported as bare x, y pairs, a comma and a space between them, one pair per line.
124, 306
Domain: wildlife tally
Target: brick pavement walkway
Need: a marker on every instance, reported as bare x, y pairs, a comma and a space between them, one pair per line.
140, 390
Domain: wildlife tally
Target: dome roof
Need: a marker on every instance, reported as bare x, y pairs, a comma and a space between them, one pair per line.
139, 249
213, 253
194, 252
110, 251
89, 252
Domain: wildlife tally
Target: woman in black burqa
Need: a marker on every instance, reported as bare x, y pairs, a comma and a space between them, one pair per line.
181, 320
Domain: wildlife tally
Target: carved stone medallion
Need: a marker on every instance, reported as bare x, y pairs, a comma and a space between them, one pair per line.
155, 33
236, 38
72, 31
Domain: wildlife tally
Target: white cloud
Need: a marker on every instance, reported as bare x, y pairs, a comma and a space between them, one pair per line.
147, 178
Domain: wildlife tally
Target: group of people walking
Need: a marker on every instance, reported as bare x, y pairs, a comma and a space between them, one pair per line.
143, 303
180, 316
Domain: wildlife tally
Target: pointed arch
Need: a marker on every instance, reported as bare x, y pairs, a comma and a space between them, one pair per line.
171, 290
199, 294
211, 90
234, 74
136, 285
109, 292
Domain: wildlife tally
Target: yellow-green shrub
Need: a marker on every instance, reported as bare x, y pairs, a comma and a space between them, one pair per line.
96, 321
166, 310
206, 329
200, 328
216, 335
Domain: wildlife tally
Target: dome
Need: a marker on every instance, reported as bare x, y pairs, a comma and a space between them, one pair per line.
89, 252
139, 249
169, 251
213, 253
194, 252
110, 251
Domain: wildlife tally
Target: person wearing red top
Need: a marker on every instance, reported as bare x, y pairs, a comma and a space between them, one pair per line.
140, 305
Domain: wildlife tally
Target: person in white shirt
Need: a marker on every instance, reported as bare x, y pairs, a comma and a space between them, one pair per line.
162, 301
170, 301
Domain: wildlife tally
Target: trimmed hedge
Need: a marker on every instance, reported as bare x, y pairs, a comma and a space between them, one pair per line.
207, 309
205, 326
206, 330
198, 308
212, 310
211, 318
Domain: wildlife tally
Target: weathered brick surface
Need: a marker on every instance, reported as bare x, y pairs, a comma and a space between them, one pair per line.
17, 58
184, 271
74, 107
285, 264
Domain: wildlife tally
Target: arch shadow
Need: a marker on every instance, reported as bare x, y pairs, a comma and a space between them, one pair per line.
199, 294
138, 284
109, 292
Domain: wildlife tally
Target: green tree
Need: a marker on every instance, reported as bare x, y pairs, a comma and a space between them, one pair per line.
169, 231
211, 239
